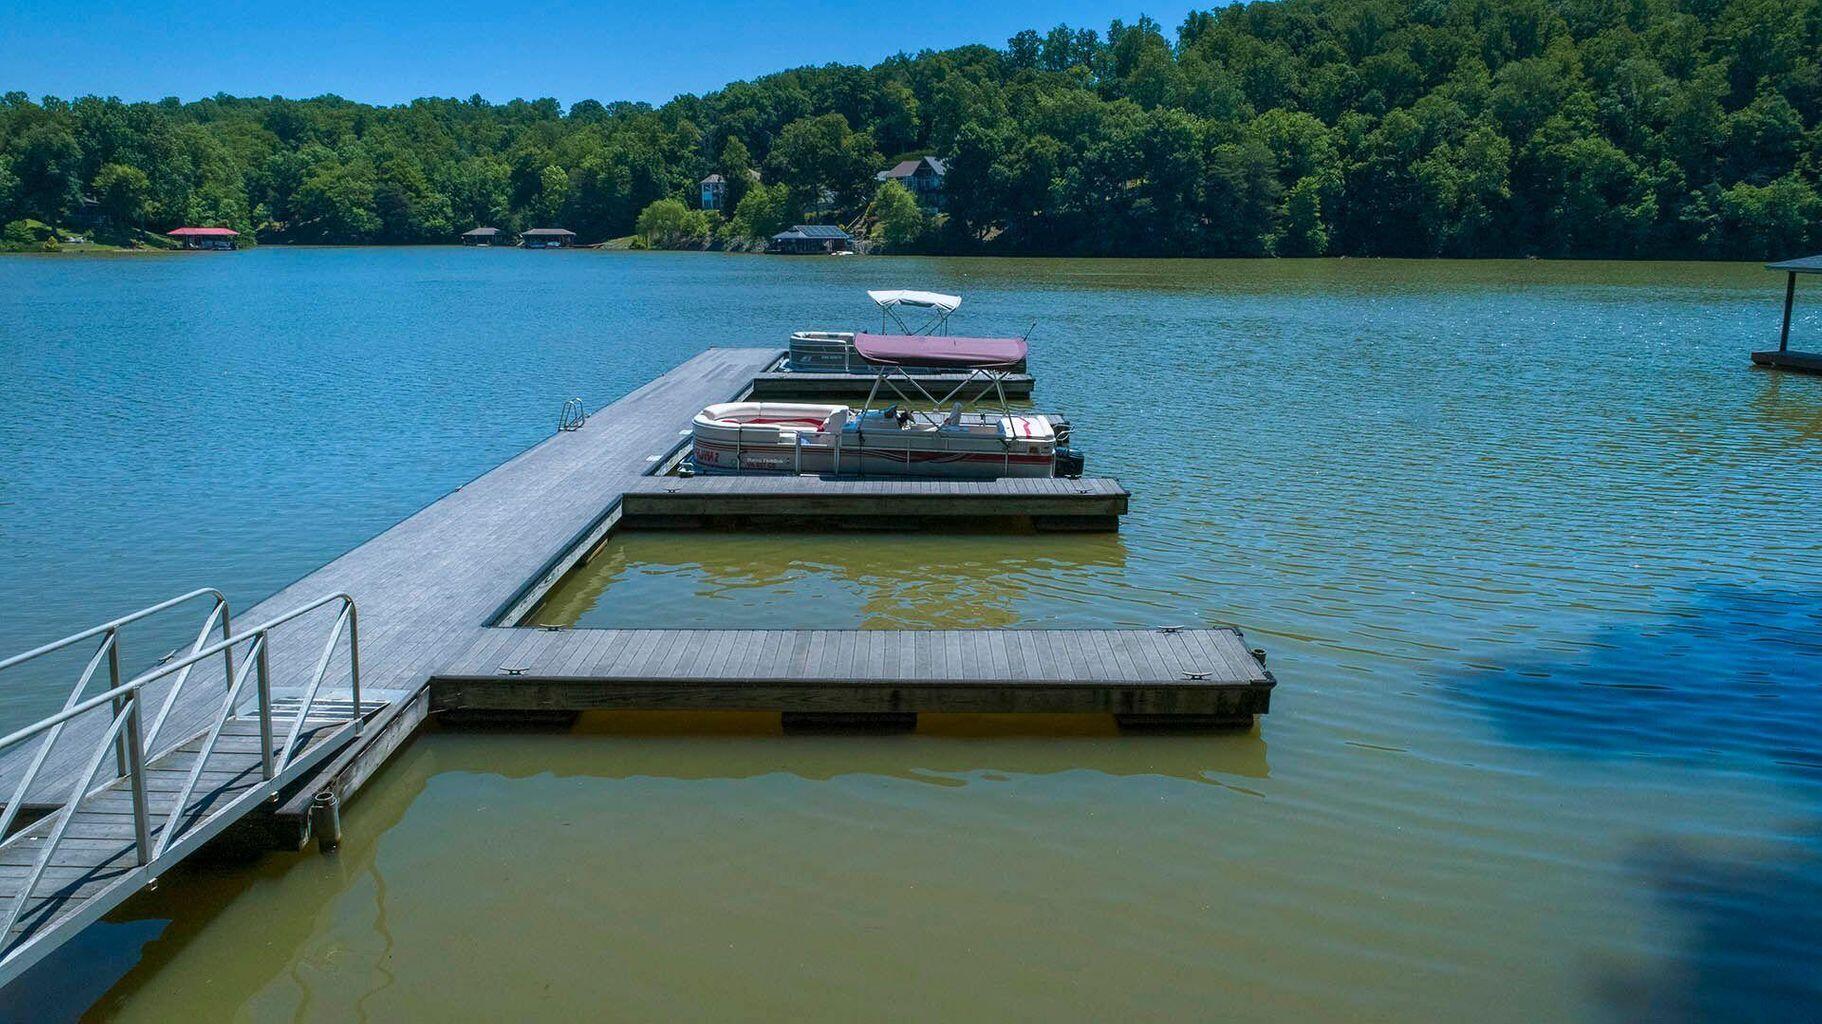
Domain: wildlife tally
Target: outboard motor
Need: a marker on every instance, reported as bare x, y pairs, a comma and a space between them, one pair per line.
1070, 462
1060, 427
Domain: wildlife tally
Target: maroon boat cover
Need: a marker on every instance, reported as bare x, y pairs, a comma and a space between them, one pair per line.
939, 351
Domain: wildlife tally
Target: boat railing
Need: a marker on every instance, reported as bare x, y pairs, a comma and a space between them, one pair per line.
135, 746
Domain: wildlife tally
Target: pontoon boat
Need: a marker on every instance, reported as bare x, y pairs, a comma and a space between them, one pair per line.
778, 437
833, 351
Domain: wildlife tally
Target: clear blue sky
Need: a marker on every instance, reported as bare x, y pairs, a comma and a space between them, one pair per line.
385, 51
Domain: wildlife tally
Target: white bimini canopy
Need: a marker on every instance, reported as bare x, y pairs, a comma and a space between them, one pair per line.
944, 304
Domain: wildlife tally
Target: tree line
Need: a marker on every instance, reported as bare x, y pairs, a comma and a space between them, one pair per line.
1611, 128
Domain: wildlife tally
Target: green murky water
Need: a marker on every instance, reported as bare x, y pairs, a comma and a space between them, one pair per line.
1533, 551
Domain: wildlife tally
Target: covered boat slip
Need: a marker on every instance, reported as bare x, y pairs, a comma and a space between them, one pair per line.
1783, 357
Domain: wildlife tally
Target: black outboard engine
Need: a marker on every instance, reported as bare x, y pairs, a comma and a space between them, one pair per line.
1060, 427
1070, 462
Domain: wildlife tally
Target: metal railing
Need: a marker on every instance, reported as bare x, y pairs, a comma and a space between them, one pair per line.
109, 649
156, 842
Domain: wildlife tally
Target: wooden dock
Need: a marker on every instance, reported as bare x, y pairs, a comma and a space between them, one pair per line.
809, 502
1199, 676
781, 384
439, 592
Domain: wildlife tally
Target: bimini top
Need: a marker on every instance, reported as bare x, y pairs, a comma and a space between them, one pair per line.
924, 350
944, 304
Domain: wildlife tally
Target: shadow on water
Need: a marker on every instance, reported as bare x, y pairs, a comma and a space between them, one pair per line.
1755, 943
1730, 672
1727, 679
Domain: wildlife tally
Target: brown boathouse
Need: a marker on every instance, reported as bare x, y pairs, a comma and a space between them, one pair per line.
484, 236
548, 238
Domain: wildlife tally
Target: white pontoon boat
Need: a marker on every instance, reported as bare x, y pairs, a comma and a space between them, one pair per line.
778, 437
833, 351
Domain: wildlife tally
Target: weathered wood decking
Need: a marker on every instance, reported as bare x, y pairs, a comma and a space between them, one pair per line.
1203, 673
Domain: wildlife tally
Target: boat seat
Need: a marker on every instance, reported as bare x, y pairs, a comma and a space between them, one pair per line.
955, 416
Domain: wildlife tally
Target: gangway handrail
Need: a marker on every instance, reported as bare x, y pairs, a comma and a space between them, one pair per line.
110, 649
133, 745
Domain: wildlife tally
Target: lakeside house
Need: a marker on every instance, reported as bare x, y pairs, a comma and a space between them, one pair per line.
714, 192
923, 177
484, 236
547, 238
811, 240
205, 238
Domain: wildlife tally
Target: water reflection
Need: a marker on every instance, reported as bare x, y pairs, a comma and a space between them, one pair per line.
822, 580
1792, 403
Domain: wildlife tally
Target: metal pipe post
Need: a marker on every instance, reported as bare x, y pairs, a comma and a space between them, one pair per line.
1790, 298
264, 680
113, 642
133, 739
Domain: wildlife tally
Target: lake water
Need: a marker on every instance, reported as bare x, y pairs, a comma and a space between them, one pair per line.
1537, 558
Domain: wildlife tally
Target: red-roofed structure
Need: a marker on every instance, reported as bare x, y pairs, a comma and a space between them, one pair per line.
205, 238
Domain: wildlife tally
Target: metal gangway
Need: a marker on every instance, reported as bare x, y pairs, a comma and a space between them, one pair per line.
196, 742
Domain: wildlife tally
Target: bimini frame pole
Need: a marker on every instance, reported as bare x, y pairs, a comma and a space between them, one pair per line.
1790, 298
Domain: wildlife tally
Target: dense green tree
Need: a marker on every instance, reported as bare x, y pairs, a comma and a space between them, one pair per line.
897, 219
336, 202
668, 224
124, 194
763, 212
736, 167
1408, 127
47, 163
814, 155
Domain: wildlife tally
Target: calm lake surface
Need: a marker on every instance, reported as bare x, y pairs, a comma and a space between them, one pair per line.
1537, 558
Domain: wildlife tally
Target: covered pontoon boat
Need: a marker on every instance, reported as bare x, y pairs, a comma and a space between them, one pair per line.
833, 351
891, 440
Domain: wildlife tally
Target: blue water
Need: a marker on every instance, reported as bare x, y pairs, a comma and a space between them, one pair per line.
1537, 556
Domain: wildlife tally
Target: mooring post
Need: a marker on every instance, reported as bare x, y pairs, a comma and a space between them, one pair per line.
1790, 297
326, 820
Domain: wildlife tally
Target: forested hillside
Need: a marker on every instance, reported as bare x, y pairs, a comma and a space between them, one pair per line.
1675, 128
